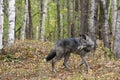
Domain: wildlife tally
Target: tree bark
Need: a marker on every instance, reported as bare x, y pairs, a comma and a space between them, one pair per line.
1, 24
30, 21
84, 16
68, 18
114, 15
117, 34
73, 24
101, 21
27, 27
24, 21
92, 15
106, 38
63, 23
43, 20
11, 18
58, 19
41, 12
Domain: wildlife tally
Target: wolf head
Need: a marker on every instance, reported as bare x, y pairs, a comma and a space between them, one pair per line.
87, 44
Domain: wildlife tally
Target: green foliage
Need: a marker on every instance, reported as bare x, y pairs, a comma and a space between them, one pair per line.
51, 20
108, 53
63, 11
35, 6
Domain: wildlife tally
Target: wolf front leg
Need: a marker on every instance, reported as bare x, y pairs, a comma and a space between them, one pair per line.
84, 62
66, 57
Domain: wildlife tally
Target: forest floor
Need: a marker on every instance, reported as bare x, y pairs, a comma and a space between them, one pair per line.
26, 61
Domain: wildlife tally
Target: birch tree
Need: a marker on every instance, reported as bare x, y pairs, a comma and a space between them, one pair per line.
1, 23
106, 38
41, 10
114, 15
24, 21
11, 26
92, 19
117, 34
43, 20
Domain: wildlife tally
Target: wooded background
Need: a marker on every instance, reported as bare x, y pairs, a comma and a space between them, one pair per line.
51, 20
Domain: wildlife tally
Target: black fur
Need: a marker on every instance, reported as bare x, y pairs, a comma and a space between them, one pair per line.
51, 55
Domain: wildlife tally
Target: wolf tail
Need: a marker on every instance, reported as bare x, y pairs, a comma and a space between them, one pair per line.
51, 55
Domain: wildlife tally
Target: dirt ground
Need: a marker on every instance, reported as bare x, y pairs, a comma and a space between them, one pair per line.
26, 61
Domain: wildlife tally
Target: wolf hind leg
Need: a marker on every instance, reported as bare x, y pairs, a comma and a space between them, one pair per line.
66, 57
58, 57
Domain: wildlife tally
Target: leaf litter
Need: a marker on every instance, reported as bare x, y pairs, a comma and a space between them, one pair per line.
26, 61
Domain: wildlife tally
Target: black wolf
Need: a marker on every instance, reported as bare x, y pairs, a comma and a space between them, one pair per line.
62, 48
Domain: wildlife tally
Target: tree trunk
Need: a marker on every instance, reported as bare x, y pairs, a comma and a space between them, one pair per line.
92, 16
63, 23
84, 16
41, 13
77, 18
30, 21
106, 31
117, 34
1, 24
96, 18
114, 15
27, 27
58, 18
24, 21
73, 24
101, 21
68, 18
43, 20
11, 22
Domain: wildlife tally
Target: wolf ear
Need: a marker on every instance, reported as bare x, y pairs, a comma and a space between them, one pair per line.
83, 36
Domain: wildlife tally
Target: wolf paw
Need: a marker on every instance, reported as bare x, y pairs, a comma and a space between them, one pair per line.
90, 72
